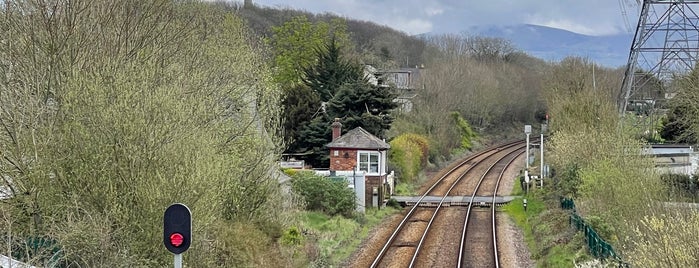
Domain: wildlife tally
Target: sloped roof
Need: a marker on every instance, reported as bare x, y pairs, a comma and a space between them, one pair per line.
358, 138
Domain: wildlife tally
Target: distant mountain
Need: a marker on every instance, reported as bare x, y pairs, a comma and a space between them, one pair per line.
555, 44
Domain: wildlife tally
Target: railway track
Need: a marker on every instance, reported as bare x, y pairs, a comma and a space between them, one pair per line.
428, 237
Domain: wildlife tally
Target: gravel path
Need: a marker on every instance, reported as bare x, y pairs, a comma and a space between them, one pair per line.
512, 249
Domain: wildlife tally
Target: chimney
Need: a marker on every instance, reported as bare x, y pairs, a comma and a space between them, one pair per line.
337, 128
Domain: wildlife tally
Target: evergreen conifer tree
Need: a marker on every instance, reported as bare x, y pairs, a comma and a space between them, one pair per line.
345, 93
360, 104
330, 71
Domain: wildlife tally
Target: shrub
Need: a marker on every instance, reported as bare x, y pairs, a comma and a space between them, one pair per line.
324, 195
409, 153
393, 203
292, 236
467, 134
680, 182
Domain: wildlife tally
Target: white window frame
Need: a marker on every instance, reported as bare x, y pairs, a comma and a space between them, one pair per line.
373, 158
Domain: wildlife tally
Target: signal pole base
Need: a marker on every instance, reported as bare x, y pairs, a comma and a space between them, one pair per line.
178, 260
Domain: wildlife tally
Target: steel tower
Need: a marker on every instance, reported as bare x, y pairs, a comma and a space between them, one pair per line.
666, 44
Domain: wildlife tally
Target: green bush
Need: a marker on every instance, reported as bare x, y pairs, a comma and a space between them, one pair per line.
393, 203
682, 183
292, 236
409, 153
603, 229
569, 181
405, 189
467, 134
324, 195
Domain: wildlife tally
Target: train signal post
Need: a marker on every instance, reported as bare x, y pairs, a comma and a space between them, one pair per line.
541, 150
177, 230
527, 131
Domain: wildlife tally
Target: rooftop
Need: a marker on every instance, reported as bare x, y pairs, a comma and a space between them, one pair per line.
358, 138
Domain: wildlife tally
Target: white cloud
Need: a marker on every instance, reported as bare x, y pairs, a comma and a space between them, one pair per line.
432, 11
568, 25
593, 17
417, 26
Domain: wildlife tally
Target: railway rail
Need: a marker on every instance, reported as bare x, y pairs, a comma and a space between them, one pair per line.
425, 236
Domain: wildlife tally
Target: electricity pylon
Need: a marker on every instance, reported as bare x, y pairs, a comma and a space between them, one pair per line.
666, 44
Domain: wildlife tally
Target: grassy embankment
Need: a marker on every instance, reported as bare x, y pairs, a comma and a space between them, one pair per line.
546, 229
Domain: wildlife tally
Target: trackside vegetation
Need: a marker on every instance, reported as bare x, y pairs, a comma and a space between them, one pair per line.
112, 110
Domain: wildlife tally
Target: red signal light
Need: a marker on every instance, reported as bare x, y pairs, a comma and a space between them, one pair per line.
176, 239
177, 228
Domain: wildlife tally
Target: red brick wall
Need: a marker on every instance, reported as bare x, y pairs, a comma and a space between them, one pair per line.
371, 183
340, 162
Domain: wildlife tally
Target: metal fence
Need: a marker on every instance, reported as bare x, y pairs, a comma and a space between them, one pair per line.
597, 246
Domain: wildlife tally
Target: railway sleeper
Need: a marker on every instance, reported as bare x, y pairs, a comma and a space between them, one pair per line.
405, 244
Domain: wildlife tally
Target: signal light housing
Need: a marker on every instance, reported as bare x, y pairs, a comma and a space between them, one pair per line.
177, 228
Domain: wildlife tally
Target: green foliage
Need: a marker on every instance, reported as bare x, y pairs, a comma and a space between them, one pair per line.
330, 71
681, 185
324, 195
409, 153
619, 189
676, 126
598, 156
360, 104
568, 181
550, 239
241, 244
292, 236
101, 134
335, 238
682, 123
467, 134
301, 105
666, 240
295, 45
574, 103
351, 98
405, 188
604, 230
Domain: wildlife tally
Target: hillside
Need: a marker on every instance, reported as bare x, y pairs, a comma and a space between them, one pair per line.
555, 44
383, 42
376, 43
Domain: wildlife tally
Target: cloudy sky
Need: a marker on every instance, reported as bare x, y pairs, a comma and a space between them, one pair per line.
591, 17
